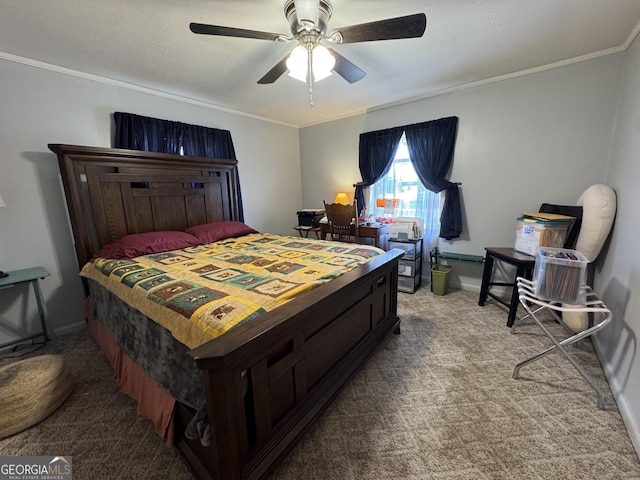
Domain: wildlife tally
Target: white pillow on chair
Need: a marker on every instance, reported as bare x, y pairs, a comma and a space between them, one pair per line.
598, 211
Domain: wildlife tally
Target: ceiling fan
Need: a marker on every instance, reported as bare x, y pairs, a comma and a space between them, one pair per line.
310, 60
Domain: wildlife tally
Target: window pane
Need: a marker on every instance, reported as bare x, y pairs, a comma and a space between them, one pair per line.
401, 182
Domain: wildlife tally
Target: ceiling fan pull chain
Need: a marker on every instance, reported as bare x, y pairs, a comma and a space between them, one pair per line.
310, 73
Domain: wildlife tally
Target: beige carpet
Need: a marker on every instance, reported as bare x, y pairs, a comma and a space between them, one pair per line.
436, 402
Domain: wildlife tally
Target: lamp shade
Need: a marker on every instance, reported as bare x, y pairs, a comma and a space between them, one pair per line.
321, 60
342, 198
297, 63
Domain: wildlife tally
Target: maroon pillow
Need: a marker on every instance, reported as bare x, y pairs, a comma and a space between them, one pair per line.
138, 244
212, 232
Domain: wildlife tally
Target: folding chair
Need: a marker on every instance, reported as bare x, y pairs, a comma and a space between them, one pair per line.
591, 304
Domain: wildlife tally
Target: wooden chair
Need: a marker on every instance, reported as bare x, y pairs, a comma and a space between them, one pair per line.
524, 263
343, 221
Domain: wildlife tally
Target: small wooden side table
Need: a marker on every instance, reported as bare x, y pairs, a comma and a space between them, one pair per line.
524, 268
31, 275
304, 231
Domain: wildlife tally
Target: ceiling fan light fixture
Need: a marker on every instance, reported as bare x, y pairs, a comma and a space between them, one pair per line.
297, 63
323, 62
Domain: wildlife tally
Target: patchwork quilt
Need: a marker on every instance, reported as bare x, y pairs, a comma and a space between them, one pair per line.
200, 292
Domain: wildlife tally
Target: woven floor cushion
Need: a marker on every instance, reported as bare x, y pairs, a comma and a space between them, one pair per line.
31, 390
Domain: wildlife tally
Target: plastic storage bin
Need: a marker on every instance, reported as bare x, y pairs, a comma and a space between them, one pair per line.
558, 274
440, 279
407, 268
410, 265
531, 235
409, 247
408, 284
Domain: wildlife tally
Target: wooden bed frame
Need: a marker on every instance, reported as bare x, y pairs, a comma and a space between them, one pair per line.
257, 406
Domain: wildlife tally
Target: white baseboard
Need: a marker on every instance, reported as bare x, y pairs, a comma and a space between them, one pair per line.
74, 327
626, 411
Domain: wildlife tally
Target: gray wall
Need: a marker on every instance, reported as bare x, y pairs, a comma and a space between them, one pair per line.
538, 138
39, 107
618, 268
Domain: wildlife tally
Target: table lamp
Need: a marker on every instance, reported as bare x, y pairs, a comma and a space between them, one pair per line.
342, 198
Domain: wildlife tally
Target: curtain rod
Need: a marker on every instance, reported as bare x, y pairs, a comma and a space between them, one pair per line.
363, 183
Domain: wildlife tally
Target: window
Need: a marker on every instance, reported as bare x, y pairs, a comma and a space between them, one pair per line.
402, 182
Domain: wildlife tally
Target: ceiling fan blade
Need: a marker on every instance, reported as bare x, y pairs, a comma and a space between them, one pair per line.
275, 73
410, 26
347, 70
232, 32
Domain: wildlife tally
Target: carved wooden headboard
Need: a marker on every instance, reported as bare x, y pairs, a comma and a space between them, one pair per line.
112, 193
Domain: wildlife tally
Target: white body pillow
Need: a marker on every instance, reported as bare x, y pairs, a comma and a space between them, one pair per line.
598, 211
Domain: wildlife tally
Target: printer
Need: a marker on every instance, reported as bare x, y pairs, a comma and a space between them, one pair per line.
310, 217
405, 228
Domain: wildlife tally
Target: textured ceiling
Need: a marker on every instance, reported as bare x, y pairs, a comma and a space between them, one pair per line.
147, 43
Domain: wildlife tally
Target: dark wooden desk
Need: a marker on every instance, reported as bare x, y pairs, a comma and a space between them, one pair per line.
379, 232
304, 231
524, 268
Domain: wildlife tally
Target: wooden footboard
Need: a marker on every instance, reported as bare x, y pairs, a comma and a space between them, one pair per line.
265, 384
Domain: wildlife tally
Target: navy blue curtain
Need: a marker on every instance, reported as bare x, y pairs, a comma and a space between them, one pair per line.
431, 145
207, 142
136, 132
377, 150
